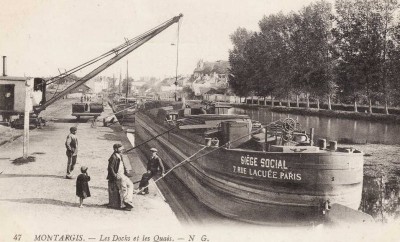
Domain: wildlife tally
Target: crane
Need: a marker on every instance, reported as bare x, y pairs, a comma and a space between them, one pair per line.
118, 52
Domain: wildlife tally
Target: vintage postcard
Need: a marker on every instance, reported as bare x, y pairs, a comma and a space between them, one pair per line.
199, 121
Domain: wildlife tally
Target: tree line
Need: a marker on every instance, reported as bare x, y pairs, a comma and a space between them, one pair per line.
346, 53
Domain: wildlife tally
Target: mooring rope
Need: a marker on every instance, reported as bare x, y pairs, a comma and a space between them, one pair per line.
181, 163
166, 173
126, 151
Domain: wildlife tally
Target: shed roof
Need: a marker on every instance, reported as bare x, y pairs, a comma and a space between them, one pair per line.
13, 78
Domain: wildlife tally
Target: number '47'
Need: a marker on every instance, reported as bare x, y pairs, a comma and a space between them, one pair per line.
17, 237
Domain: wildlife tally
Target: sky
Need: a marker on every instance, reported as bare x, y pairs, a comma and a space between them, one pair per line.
43, 37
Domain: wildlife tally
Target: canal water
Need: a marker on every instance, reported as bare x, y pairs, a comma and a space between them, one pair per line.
342, 130
380, 196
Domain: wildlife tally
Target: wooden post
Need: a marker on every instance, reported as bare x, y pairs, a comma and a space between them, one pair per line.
311, 136
28, 107
386, 107
355, 106
329, 103
266, 138
370, 106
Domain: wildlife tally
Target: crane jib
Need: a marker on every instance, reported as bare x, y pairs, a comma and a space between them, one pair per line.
123, 50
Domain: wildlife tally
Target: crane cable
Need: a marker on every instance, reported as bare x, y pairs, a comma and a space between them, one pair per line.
126, 45
188, 158
177, 59
113, 51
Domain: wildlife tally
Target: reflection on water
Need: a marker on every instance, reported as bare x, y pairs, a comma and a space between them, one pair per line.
342, 130
380, 196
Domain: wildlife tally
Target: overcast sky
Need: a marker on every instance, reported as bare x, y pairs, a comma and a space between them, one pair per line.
42, 36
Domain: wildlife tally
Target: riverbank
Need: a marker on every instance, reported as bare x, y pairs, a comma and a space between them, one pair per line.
375, 117
37, 200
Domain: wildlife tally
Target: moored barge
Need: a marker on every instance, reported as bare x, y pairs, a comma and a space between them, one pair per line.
262, 176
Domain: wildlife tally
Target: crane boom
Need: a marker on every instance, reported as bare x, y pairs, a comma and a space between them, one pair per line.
110, 62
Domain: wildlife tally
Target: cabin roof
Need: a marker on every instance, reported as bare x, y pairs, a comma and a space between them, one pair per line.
13, 78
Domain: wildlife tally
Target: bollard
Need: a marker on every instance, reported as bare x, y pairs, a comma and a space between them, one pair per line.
333, 145
311, 136
266, 145
208, 142
322, 144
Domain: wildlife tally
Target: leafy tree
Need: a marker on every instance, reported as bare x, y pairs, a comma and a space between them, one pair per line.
188, 92
312, 51
124, 87
239, 72
363, 40
276, 36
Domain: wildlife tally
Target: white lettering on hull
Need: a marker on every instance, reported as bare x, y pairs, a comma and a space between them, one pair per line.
276, 168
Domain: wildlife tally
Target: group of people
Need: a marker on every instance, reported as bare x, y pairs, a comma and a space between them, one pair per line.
86, 98
117, 172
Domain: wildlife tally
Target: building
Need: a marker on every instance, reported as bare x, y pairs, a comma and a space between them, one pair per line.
208, 75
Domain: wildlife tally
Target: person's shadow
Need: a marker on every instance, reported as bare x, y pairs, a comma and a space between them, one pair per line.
50, 202
28, 175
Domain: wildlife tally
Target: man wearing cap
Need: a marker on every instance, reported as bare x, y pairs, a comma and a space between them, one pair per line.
153, 166
72, 151
155, 163
117, 172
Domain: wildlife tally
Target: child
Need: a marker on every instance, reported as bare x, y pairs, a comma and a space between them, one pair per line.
82, 186
144, 182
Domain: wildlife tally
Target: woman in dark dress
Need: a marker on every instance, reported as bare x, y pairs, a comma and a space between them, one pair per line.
82, 185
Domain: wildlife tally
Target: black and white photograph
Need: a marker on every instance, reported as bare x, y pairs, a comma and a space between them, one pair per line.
200, 121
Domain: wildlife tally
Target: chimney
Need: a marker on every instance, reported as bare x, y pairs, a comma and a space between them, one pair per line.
4, 66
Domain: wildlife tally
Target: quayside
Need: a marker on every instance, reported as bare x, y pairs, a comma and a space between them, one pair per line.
267, 175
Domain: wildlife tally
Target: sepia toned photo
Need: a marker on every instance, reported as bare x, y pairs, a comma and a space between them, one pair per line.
200, 121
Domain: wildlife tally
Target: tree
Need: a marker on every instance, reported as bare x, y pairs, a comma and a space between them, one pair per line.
239, 71
363, 38
277, 57
188, 92
124, 87
312, 51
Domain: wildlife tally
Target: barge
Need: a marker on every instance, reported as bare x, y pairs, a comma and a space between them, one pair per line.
273, 175
125, 108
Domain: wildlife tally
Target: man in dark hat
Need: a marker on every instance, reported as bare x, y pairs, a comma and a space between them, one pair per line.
71, 144
153, 166
117, 172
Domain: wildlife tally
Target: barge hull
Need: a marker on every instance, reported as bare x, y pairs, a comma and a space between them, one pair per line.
255, 199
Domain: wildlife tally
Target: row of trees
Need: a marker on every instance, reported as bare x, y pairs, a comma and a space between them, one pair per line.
351, 54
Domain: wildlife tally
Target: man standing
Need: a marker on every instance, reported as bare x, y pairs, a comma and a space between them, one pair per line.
153, 166
72, 151
117, 172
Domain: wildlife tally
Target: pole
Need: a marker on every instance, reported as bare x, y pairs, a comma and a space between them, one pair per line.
119, 83
177, 62
127, 82
26, 119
